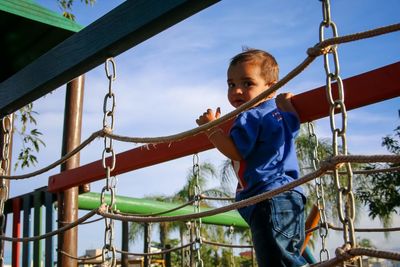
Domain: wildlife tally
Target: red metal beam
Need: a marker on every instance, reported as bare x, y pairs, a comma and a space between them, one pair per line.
361, 90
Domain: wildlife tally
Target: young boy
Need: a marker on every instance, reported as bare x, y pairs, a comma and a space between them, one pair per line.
261, 147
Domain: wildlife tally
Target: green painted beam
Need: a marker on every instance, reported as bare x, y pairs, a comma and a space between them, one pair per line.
90, 201
30, 10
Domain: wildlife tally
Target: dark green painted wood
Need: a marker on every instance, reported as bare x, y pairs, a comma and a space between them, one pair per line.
124, 27
28, 31
50, 212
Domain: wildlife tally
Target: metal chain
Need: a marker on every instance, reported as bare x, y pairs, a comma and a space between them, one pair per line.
231, 237
196, 205
6, 124
319, 186
148, 240
346, 203
109, 251
186, 259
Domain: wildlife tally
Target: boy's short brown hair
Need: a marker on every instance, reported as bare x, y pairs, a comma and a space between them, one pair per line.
269, 66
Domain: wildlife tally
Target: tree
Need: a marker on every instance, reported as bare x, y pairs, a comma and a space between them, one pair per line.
207, 171
30, 137
380, 191
26, 128
209, 254
365, 243
66, 7
305, 150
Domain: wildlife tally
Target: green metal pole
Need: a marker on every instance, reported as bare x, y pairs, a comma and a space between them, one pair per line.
90, 201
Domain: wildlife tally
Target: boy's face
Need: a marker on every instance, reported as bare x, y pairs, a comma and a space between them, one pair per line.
244, 83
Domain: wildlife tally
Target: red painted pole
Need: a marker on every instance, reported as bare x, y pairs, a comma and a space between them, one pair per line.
361, 90
16, 246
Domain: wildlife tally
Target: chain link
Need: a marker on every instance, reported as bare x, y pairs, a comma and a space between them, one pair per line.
346, 205
108, 163
186, 255
196, 205
148, 241
319, 186
6, 124
231, 237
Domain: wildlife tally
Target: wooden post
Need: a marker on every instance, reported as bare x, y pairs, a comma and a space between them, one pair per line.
68, 199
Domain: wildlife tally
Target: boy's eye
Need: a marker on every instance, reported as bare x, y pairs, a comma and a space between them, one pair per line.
247, 84
231, 85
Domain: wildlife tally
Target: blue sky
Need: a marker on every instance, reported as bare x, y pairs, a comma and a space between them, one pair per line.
164, 83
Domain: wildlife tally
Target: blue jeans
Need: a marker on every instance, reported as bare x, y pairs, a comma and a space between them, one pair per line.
277, 227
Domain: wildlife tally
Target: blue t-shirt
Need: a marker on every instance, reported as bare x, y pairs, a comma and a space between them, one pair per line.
264, 137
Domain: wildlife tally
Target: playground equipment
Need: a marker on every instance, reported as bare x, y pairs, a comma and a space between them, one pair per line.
18, 91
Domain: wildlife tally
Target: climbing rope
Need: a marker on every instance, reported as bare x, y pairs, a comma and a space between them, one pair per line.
81, 259
58, 162
324, 47
219, 244
313, 52
319, 49
161, 252
191, 202
367, 230
326, 165
347, 253
205, 197
56, 232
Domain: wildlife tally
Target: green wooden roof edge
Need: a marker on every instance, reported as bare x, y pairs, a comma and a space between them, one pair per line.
31, 10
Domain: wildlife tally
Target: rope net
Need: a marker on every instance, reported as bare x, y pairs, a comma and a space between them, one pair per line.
340, 159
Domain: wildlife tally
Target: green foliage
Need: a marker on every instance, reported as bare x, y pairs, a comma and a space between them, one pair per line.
365, 243
381, 191
66, 7
30, 138
135, 230
211, 255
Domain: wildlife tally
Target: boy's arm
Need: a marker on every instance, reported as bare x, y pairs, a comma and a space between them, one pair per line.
284, 103
217, 137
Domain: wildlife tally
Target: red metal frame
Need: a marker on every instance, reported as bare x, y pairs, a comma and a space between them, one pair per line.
361, 90
16, 246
